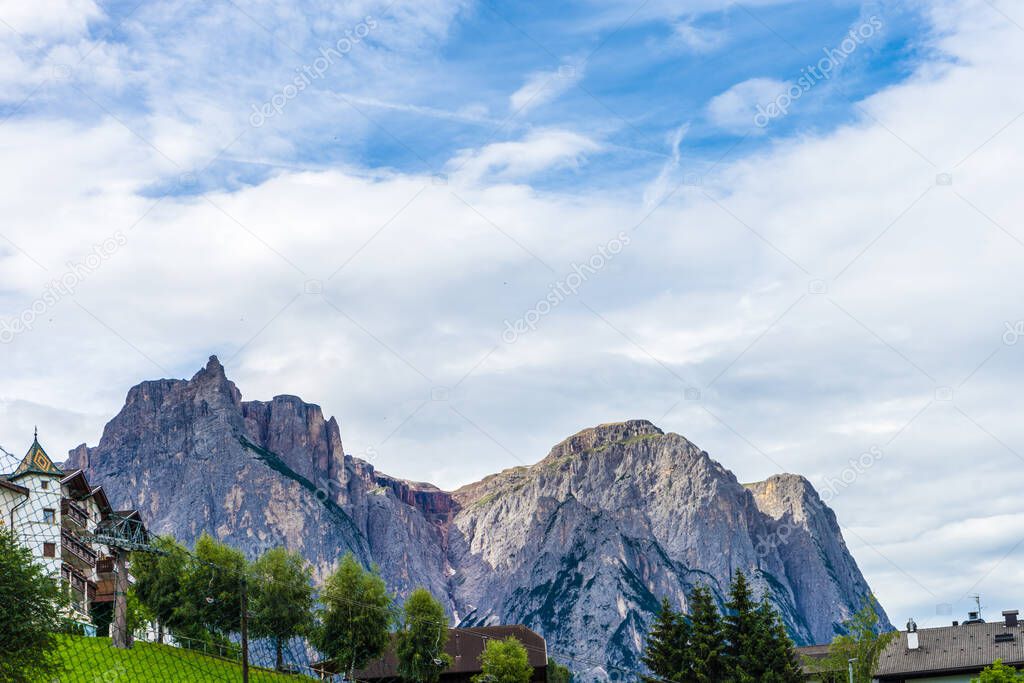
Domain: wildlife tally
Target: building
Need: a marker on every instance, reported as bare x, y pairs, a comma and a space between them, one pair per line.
464, 646
55, 514
947, 654
951, 654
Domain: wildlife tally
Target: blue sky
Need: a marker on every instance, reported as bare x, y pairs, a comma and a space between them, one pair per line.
789, 296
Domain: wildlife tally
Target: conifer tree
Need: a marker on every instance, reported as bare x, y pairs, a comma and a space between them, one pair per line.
778, 659
742, 636
705, 647
665, 654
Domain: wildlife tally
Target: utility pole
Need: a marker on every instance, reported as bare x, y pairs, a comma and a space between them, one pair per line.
120, 628
245, 632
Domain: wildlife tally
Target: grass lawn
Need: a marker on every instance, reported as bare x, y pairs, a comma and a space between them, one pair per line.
93, 660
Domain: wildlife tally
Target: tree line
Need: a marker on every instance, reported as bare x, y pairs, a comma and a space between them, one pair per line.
747, 641
351, 618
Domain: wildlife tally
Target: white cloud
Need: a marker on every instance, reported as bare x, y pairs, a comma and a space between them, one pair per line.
660, 188
539, 151
735, 109
715, 285
542, 87
696, 38
49, 19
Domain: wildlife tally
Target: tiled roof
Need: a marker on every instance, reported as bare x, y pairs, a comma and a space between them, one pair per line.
952, 648
36, 461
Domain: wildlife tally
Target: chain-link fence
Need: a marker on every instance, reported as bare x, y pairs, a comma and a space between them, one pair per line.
90, 596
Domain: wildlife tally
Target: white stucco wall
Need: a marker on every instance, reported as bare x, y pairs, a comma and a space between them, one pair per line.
28, 519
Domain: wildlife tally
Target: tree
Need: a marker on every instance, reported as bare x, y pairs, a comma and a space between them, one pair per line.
281, 605
705, 636
665, 654
421, 641
31, 615
504, 661
742, 632
778, 660
558, 673
211, 589
356, 616
158, 578
862, 642
998, 672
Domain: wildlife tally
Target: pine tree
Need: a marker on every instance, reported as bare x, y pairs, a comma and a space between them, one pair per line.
705, 650
665, 654
742, 637
778, 659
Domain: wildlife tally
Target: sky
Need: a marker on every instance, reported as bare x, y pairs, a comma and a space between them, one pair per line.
789, 231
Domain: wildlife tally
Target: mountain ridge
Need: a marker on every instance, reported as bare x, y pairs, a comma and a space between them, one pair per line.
580, 546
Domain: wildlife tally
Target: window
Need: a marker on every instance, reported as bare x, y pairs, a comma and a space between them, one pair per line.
49, 550
46, 485
49, 516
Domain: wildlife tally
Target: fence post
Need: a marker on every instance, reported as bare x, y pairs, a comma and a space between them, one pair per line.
245, 632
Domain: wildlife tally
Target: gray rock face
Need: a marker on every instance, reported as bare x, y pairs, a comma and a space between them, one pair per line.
580, 546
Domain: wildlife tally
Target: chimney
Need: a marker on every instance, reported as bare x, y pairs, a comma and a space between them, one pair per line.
1010, 616
912, 642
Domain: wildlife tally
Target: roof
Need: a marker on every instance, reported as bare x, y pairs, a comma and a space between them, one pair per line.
968, 647
36, 461
76, 483
464, 646
812, 652
13, 487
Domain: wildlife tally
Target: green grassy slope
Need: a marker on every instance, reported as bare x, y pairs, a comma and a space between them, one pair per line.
89, 660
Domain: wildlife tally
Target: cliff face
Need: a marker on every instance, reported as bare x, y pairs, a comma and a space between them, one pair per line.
192, 457
580, 546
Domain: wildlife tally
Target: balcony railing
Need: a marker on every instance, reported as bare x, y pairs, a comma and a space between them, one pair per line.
78, 549
74, 579
105, 565
69, 509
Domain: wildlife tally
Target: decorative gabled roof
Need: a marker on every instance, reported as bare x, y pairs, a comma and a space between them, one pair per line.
36, 461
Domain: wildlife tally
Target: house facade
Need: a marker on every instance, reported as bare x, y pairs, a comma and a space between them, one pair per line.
55, 514
951, 654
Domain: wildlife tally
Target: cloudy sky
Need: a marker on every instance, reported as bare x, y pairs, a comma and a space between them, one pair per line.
785, 230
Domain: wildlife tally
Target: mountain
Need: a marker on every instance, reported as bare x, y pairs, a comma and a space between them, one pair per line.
580, 546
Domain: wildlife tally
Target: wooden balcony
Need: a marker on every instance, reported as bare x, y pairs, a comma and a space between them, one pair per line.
74, 578
105, 565
71, 546
73, 512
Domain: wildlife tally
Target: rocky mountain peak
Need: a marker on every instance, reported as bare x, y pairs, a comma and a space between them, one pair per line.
594, 438
581, 546
785, 493
212, 384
